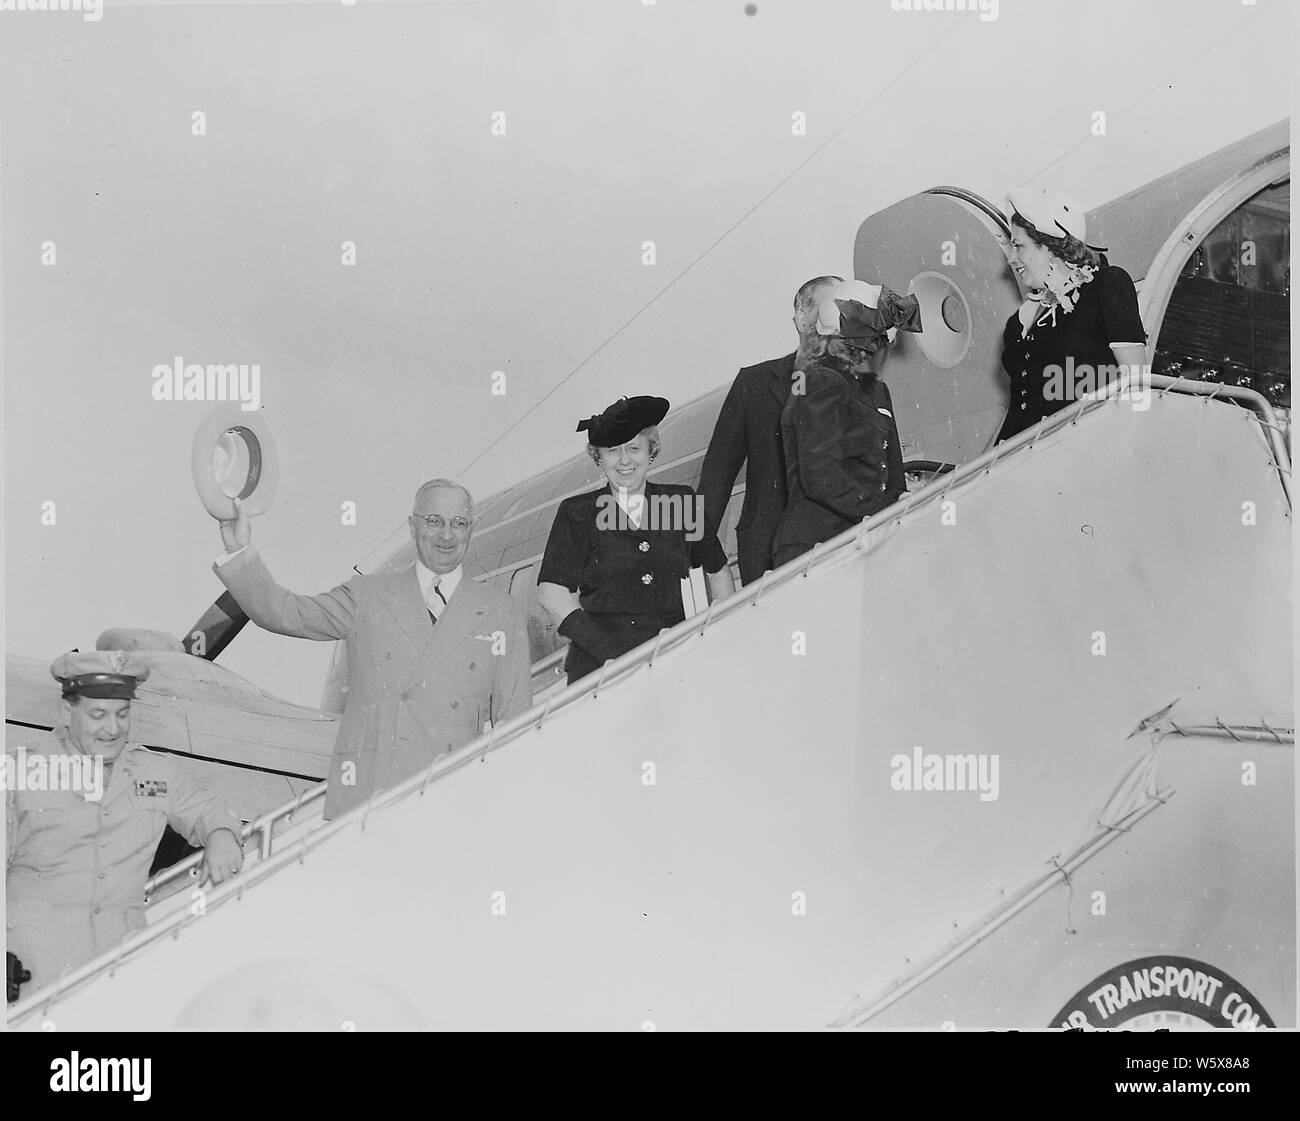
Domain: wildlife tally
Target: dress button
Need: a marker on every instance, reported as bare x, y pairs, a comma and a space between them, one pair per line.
644, 546
1023, 405
884, 445
647, 579
1024, 393
100, 875
882, 484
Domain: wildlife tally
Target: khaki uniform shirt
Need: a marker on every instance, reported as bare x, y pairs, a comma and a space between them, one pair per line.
76, 868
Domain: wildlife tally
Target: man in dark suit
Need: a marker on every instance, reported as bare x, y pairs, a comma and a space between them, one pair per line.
748, 430
432, 655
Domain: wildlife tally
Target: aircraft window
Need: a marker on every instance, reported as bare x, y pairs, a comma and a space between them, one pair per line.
945, 337
1229, 318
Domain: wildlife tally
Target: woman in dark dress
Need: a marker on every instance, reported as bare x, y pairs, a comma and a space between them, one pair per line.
842, 452
1079, 322
611, 574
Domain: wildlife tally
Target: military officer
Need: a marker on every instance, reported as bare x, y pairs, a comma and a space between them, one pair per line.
85, 812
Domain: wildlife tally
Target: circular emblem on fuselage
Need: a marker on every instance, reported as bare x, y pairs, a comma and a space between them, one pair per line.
1176, 993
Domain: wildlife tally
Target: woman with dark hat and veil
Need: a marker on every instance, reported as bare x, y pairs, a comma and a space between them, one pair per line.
842, 455
610, 578
1079, 322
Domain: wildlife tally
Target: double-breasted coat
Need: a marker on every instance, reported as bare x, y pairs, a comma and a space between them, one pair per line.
416, 690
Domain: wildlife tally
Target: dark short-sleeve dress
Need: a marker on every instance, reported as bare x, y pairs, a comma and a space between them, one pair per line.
1106, 313
627, 579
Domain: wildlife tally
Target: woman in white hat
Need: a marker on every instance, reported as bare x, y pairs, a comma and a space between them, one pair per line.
1078, 306
611, 575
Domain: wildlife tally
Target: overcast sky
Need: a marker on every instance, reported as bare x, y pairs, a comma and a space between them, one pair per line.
625, 123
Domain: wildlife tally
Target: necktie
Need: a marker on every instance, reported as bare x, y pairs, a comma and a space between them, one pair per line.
442, 601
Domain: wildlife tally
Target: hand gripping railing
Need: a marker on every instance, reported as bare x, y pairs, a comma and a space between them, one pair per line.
263, 828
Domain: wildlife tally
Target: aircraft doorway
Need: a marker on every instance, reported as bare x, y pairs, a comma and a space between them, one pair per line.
1228, 318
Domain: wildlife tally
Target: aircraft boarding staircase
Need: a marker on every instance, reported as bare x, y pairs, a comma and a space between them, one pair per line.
710, 832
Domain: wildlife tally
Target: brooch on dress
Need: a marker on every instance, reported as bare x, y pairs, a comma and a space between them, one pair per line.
1061, 290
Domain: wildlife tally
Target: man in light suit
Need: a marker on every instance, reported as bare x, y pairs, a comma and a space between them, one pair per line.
432, 655
748, 430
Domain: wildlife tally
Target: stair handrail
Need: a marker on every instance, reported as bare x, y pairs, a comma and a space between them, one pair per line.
834, 552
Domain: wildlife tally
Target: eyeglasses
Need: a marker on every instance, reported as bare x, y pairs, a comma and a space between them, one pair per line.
436, 522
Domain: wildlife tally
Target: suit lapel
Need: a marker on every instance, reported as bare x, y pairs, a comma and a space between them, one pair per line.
462, 618
778, 383
434, 642
402, 597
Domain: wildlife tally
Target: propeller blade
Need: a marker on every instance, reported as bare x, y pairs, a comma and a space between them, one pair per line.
216, 628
